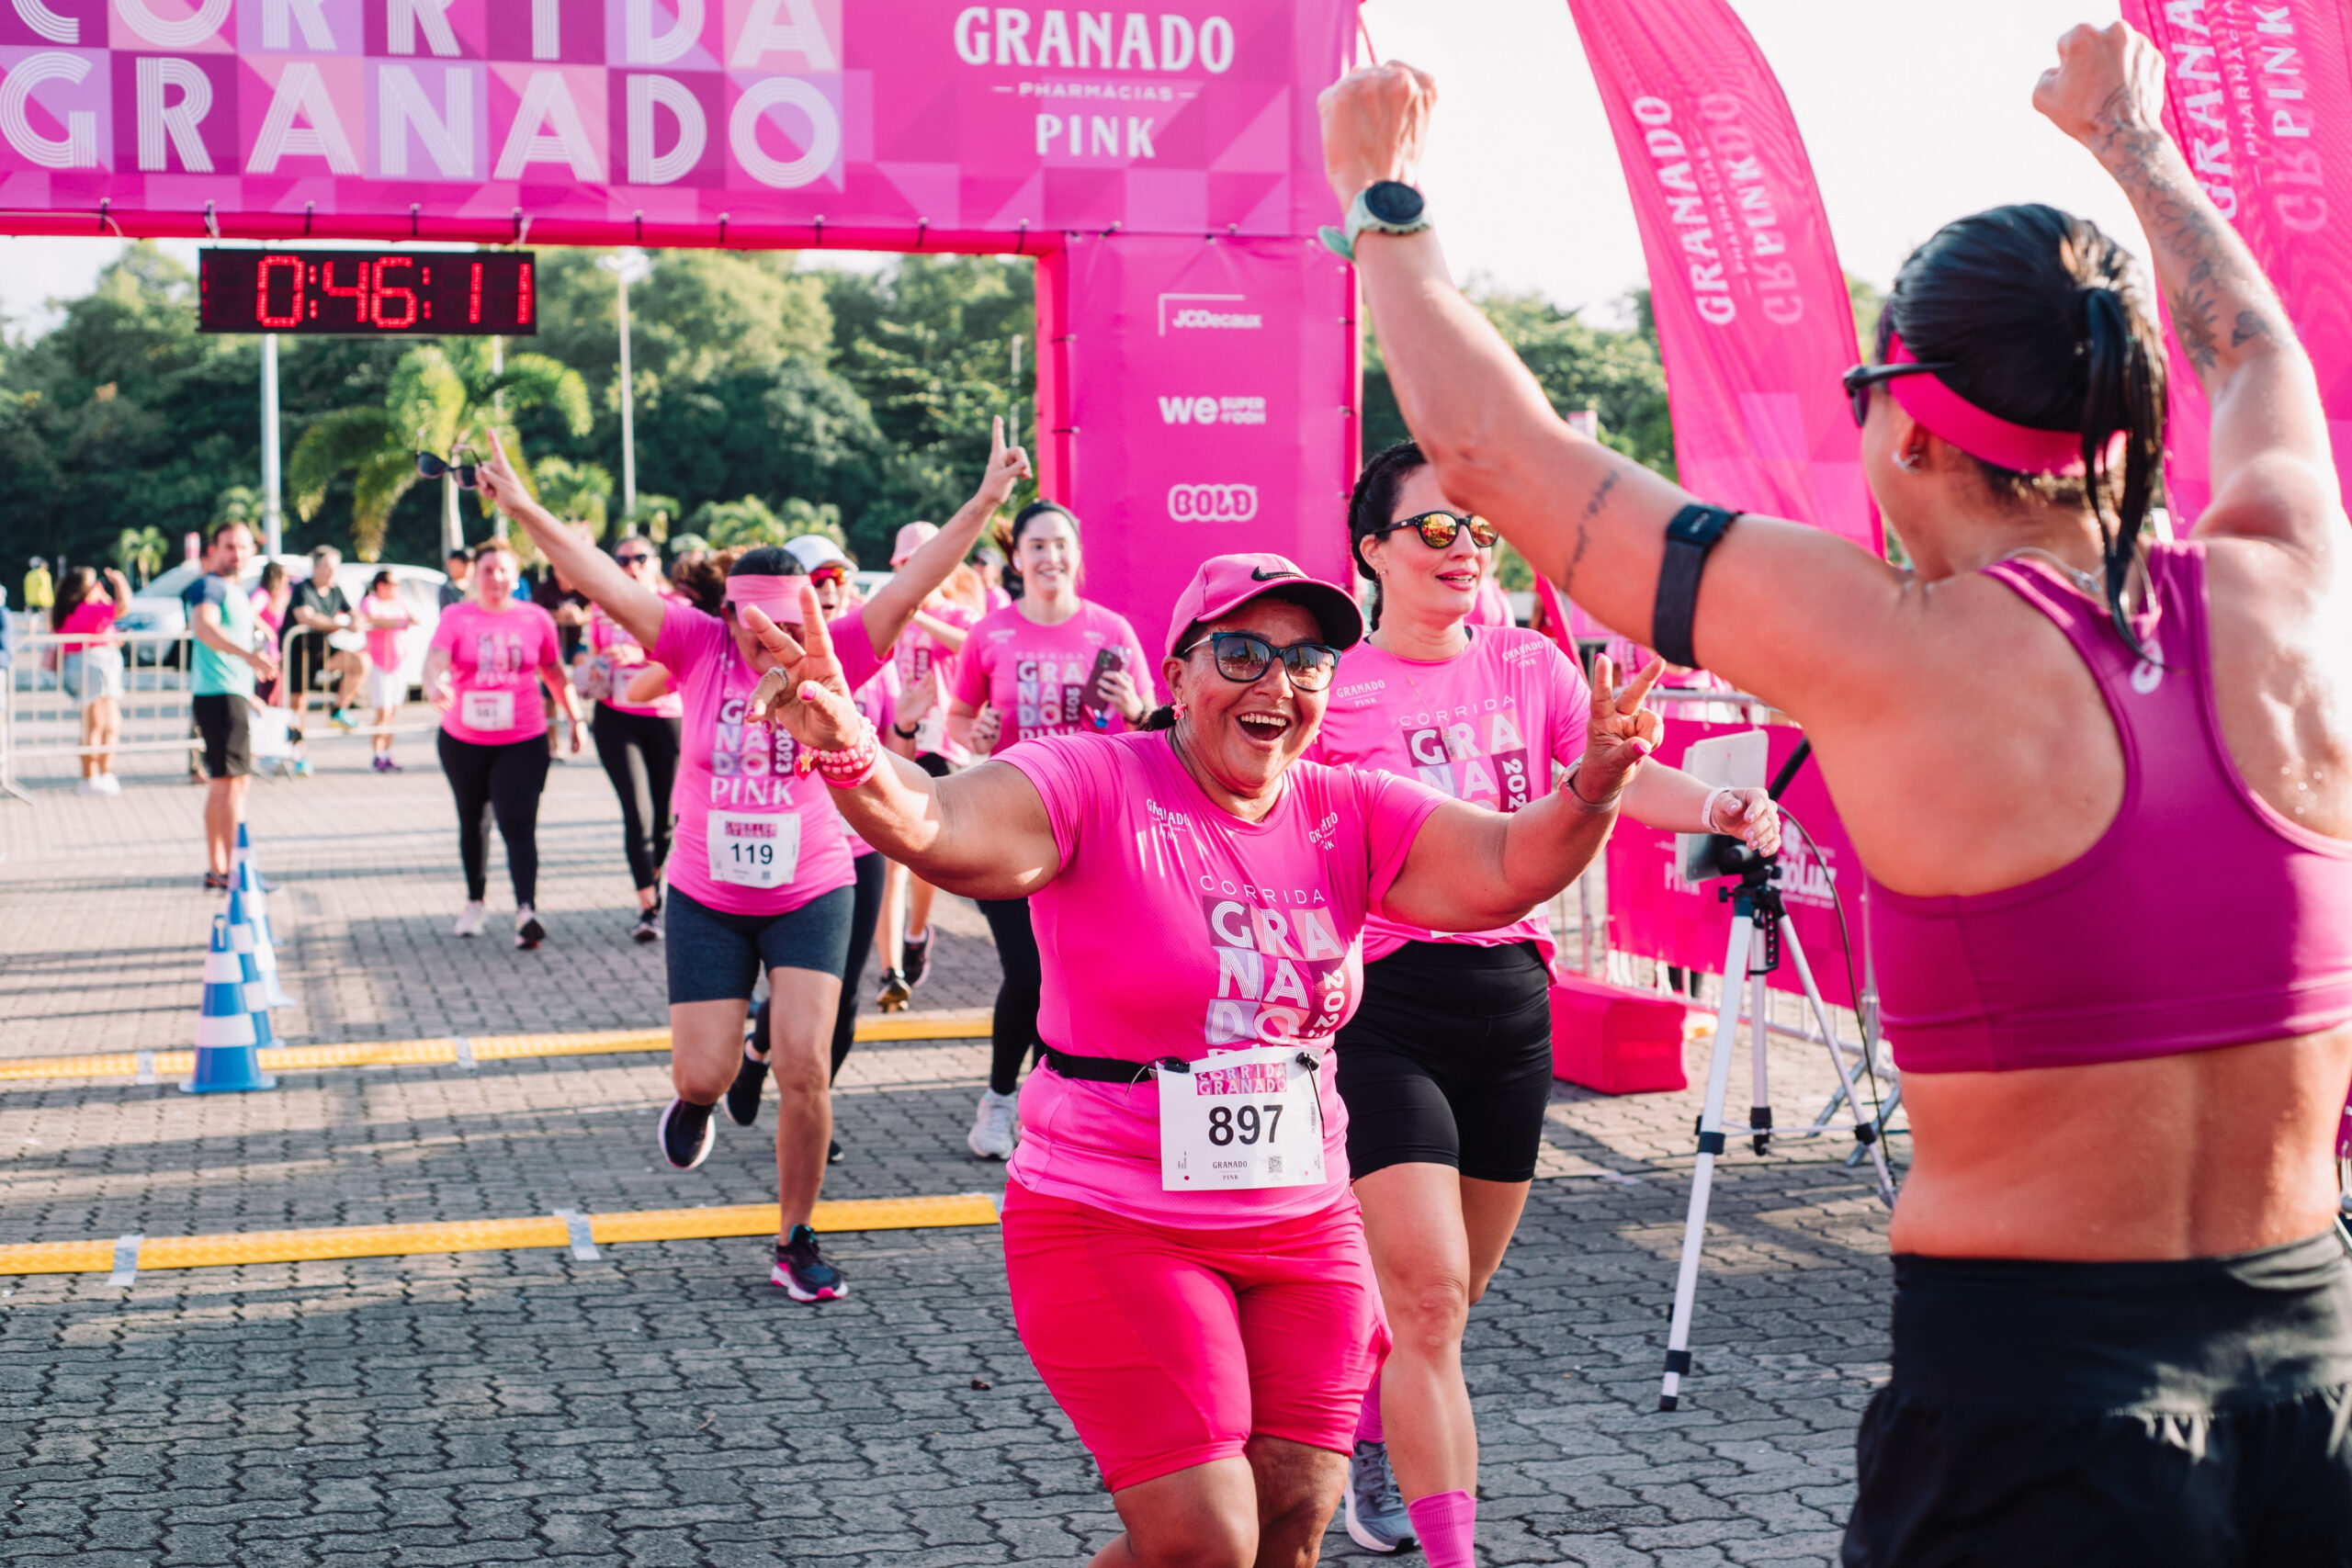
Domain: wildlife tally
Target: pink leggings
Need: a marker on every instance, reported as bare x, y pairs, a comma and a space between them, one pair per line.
1168, 1348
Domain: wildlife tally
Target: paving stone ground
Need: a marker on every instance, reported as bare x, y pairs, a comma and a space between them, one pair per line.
661, 1405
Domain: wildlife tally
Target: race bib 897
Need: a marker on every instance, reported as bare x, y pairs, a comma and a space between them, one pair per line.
1240, 1119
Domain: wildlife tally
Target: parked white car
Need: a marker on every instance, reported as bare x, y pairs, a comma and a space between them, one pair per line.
157, 610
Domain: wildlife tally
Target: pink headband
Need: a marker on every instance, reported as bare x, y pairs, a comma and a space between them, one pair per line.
777, 597
2017, 447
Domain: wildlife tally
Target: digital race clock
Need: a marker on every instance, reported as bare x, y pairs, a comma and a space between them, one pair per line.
365, 293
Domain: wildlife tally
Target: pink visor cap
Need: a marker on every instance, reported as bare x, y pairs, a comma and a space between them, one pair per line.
1225, 584
778, 598
2020, 449
912, 537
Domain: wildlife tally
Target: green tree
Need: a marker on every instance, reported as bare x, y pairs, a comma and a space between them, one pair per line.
142, 550
731, 525
437, 397
576, 492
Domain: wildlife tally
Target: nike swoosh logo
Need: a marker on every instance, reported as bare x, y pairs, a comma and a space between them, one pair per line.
1260, 574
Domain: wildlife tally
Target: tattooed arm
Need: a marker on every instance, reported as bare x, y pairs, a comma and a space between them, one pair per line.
2273, 476
1793, 613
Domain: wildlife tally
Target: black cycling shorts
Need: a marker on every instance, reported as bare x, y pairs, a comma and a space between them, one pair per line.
1449, 1060
2177, 1414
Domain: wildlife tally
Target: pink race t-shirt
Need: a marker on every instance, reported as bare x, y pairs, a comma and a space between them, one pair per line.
917, 654
93, 619
1485, 727
1175, 929
494, 661
1035, 677
878, 701
752, 837
384, 642
620, 654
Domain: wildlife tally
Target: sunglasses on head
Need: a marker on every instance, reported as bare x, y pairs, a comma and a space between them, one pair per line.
1244, 658
432, 467
1858, 380
1440, 529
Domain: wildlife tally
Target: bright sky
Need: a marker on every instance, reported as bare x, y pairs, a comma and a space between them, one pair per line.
1915, 114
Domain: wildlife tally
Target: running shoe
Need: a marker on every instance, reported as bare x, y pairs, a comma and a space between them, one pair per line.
528, 932
832, 1151
89, 785
390, 766
686, 1134
805, 1276
648, 925
301, 767
991, 1134
105, 784
743, 1094
469, 919
341, 718
895, 993
216, 882
1376, 1517
918, 959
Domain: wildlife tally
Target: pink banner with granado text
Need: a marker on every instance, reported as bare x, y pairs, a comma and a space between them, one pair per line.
2258, 94
903, 123
1753, 318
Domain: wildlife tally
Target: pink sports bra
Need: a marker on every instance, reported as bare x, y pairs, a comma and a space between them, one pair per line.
2202, 918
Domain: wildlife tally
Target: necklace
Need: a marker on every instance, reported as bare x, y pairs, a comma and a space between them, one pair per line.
2091, 586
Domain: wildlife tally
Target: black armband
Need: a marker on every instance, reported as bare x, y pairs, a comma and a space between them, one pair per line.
1695, 530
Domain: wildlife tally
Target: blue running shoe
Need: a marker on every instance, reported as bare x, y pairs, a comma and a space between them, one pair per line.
805, 1276
1376, 1517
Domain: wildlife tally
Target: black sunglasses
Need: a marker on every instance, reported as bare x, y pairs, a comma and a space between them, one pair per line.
1858, 380
635, 558
1243, 658
432, 467
1440, 529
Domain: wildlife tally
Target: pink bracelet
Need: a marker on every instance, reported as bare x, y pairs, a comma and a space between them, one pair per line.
852, 765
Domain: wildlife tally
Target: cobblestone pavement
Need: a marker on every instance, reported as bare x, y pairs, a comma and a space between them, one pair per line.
663, 1404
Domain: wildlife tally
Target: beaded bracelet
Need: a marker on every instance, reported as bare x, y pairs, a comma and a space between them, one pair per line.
853, 764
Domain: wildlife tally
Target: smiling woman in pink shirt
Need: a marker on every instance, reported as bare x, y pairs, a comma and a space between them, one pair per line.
760, 870
1186, 1260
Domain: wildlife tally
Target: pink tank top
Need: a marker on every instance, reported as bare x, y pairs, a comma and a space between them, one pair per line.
2200, 919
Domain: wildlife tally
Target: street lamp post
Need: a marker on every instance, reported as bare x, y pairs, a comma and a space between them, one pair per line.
626, 268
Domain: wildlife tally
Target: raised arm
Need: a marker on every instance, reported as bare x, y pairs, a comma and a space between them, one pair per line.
888, 610
1473, 869
637, 608
982, 833
2273, 475
1790, 612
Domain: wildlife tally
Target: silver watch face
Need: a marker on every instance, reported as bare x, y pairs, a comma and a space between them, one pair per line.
1392, 201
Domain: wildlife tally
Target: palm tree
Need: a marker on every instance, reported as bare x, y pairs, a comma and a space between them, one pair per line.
437, 397
142, 550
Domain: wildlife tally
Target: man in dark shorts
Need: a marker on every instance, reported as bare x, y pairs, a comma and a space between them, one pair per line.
224, 661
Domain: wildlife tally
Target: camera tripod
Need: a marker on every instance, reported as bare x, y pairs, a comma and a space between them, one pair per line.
1760, 932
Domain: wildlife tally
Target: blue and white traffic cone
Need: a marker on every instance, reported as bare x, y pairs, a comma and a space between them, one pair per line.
249, 939
249, 906
243, 856
233, 1026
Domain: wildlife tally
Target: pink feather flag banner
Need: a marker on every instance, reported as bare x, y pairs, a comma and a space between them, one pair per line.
1753, 318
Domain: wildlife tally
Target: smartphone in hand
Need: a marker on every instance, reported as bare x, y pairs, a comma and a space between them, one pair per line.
1106, 659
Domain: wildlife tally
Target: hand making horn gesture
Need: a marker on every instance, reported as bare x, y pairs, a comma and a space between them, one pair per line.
1619, 734
805, 692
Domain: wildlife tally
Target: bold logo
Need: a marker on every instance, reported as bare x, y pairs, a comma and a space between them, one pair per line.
1192, 310
1212, 411
1212, 503
1260, 574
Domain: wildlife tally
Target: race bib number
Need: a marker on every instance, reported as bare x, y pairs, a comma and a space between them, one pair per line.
489, 710
1240, 1119
753, 851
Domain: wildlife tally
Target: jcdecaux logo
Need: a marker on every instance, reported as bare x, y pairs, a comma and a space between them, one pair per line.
1211, 503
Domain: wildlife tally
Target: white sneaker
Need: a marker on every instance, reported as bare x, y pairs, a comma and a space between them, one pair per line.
86, 786
469, 919
105, 784
992, 1135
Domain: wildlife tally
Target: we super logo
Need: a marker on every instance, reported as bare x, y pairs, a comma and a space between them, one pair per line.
1281, 973
1478, 757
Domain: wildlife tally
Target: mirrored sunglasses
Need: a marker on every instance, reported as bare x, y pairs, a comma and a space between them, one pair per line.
1244, 658
1440, 529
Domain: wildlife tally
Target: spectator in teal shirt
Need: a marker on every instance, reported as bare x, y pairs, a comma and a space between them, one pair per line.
225, 659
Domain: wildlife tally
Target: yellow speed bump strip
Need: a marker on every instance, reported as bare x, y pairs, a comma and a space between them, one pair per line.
491, 1236
961, 1025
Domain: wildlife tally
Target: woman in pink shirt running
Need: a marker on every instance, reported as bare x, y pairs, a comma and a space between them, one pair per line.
1447, 1068
387, 617
760, 871
1047, 663
1186, 1262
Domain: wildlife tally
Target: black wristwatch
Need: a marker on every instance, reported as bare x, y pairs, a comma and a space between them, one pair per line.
1384, 207
906, 734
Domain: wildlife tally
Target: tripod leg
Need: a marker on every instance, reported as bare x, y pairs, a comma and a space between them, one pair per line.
1737, 960
1864, 1131
1760, 1101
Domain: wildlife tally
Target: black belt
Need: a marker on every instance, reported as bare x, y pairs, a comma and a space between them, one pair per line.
1125, 1069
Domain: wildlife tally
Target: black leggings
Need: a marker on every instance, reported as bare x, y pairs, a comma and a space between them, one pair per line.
640, 751
865, 915
1017, 998
504, 781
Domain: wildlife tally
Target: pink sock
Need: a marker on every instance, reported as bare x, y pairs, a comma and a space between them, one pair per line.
1447, 1523
1368, 1419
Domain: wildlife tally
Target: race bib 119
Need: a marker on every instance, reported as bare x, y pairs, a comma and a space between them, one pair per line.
752, 850
1240, 1119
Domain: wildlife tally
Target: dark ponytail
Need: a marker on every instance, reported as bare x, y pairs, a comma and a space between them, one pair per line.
1374, 505
1161, 717
2044, 321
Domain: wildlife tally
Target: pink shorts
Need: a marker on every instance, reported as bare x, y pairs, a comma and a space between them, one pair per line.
1169, 1347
